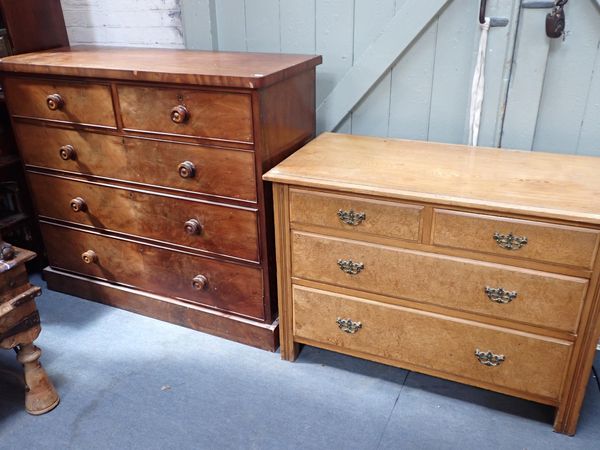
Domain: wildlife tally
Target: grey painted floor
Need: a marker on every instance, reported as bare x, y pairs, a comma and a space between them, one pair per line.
127, 381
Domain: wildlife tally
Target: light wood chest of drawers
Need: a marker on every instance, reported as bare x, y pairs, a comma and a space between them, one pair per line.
145, 169
472, 264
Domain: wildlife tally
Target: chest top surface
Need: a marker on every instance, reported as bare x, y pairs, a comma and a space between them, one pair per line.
225, 69
548, 185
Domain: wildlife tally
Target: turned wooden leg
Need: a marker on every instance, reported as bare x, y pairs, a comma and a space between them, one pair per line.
40, 396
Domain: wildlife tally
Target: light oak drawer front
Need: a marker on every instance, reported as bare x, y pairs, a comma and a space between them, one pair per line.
538, 241
531, 364
216, 115
200, 225
361, 215
219, 172
204, 281
527, 296
63, 101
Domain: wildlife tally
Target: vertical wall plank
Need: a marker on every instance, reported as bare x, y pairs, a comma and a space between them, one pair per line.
567, 82
456, 50
231, 25
297, 23
589, 139
262, 26
500, 52
370, 116
199, 24
411, 86
334, 36
527, 80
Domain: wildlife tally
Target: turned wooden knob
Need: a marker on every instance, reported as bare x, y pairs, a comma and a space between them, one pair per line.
179, 114
67, 152
54, 102
78, 204
186, 169
89, 257
199, 282
192, 226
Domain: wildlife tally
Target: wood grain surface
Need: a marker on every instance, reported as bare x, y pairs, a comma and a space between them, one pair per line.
226, 69
433, 341
542, 184
219, 172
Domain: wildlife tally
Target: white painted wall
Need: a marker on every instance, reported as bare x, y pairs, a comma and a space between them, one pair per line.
143, 23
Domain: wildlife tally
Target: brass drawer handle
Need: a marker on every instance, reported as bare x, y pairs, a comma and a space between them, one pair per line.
66, 152
78, 204
350, 267
510, 241
179, 114
348, 325
199, 282
89, 257
54, 102
192, 227
186, 169
488, 358
351, 217
499, 295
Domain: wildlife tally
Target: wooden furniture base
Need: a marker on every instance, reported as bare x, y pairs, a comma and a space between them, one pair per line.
20, 327
261, 335
476, 265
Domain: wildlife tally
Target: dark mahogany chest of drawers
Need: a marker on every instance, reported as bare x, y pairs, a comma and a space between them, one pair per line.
145, 169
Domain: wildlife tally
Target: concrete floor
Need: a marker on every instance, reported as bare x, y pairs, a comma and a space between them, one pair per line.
127, 381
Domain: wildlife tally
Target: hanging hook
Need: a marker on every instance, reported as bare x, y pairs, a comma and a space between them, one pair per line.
482, 8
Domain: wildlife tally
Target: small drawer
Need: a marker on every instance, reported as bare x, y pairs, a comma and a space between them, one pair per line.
216, 228
218, 172
356, 214
539, 241
492, 290
214, 115
522, 362
62, 101
204, 281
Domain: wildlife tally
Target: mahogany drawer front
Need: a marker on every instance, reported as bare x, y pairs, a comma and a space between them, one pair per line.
532, 364
71, 101
228, 286
219, 172
220, 229
361, 215
531, 297
209, 114
557, 244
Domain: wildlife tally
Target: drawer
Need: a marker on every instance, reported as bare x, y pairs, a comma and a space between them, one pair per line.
545, 242
532, 364
532, 297
219, 172
357, 214
222, 285
64, 101
215, 115
212, 227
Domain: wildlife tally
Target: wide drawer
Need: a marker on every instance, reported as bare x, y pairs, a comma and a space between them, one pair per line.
226, 230
527, 296
357, 214
219, 172
531, 364
63, 101
524, 239
216, 115
226, 286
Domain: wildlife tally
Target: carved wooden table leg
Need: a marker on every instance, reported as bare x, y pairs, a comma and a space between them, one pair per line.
20, 327
40, 396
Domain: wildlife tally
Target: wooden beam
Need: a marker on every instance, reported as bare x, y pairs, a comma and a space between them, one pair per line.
406, 25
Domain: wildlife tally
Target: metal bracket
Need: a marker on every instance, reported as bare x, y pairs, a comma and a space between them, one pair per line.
494, 21
538, 4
